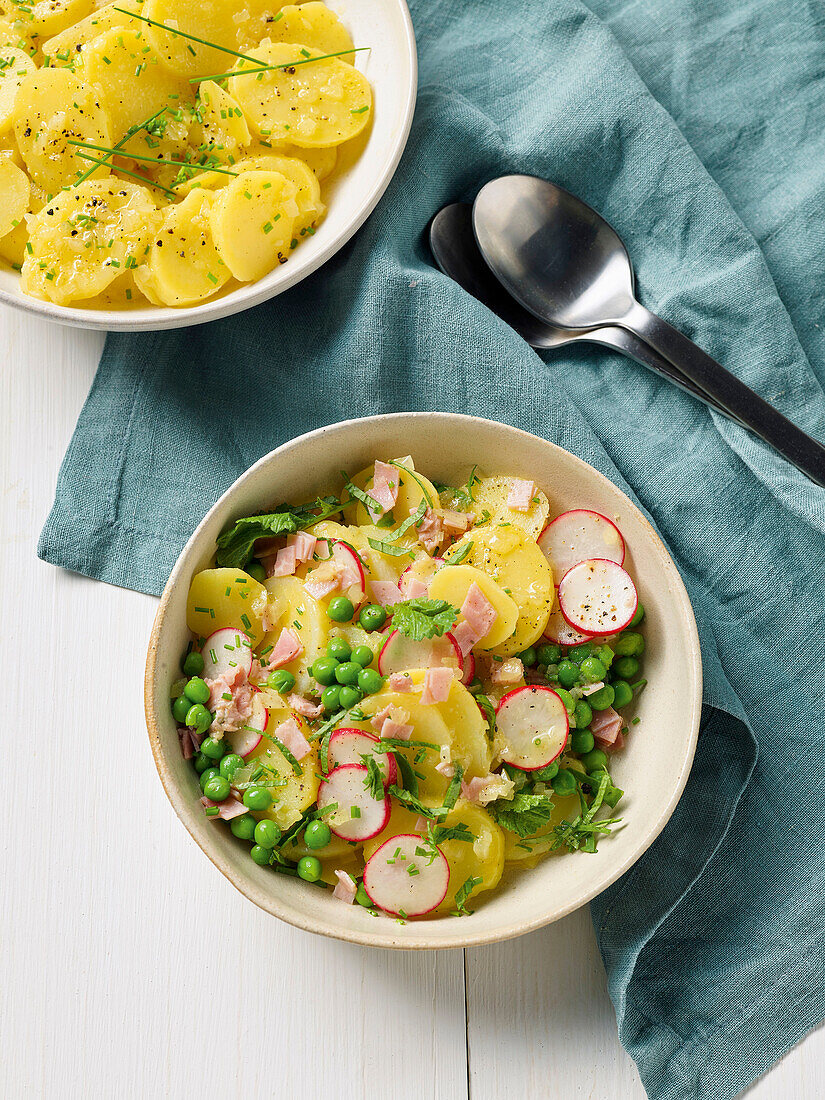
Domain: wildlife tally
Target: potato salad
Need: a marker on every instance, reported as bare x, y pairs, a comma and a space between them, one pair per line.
397, 690
166, 149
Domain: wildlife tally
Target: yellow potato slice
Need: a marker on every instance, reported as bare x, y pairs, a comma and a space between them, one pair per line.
291, 793
183, 266
225, 597
252, 222
13, 245
490, 497
320, 161
8, 148
413, 488
48, 17
290, 603
15, 66
213, 20
53, 107
313, 25
66, 47
87, 236
223, 125
519, 567
454, 583
133, 82
14, 195
313, 104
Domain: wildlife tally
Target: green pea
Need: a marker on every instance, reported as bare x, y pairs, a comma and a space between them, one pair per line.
201, 763
583, 714
281, 681
564, 782
206, 775
639, 615
372, 617
193, 665
260, 855
594, 761
622, 693
340, 609
547, 773
529, 656
592, 670
217, 788
198, 718
317, 834
230, 764
324, 670
213, 748
626, 667
339, 648
581, 741
197, 690
568, 674
331, 698
603, 698
548, 654
309, 868
347, 673
256, 571
629, 644
369, 681
180, 708
267, 833
243, 827
362, 897
349, 696
567, 699
363, 655
577, 653
257, 798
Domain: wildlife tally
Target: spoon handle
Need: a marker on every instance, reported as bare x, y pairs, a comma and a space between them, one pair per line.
738, 399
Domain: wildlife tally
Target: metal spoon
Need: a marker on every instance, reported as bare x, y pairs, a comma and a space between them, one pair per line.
565, 264
454, 249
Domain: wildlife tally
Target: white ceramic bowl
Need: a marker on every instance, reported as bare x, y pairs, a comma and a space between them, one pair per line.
351, 194
653, 768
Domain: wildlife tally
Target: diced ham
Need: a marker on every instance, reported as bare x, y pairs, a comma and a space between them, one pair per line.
229, 808
521, 495
304, 707
346, 571
606, 728
456, 523
430, 531
465, 636
190, 741
321, 587
333, 574
345, 889
384, 489
386, 593
478, 611
510, 671
396, 731
286, 649
283, 564
303, 544
445, 768
414, 588
389, 713
230, 699
401, 681
437, 684
289, 733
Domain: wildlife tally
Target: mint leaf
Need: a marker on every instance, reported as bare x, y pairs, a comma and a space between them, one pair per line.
463, 893
422, 618
236, 543
523, 814
452, 832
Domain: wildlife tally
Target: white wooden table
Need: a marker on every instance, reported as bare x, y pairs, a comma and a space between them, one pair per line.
130, 968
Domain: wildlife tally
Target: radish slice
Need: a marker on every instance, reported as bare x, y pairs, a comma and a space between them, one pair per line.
579, 536
469, 668
224, 651
347, 557
598, 597
402, 878
246, 739
559, 631
422, 570
347, 746
533, 725
398, 654
358, 816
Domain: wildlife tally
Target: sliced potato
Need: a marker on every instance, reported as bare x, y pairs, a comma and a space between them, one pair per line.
519, 567
313, 25
252, 222
291, 604
183, 266
15, 66
223, 126
46, 18
490, 506
321, 162
14, 195
13, 245
483, 858
214, 21
66, 47
310, 104
8, 148
53, 107
225, 597
291, 793
452, 584
82, 240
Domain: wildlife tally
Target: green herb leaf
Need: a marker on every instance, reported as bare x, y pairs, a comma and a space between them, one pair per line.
281, 747
414, 803
523, 814
417, 479
408, 777
390, 548
452, 832
375, 779
463, 893
454, 789
486, 705
422, 618
457, 559
236, 543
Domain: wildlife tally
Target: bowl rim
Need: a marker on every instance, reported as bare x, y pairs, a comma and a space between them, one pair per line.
387, 938
158, 318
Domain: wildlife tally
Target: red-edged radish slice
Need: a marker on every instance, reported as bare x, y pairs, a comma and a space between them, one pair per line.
224, 651
532, 725
249, 736
347, 557
402, 878
399, 653
598, 597
559, 631
347, 746
469, 668
422, 570
577, 536
357, 816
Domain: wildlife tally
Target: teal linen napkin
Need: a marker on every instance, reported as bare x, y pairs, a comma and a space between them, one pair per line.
693, 125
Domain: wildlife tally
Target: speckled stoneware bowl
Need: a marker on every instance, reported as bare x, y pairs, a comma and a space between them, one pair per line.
653, 768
